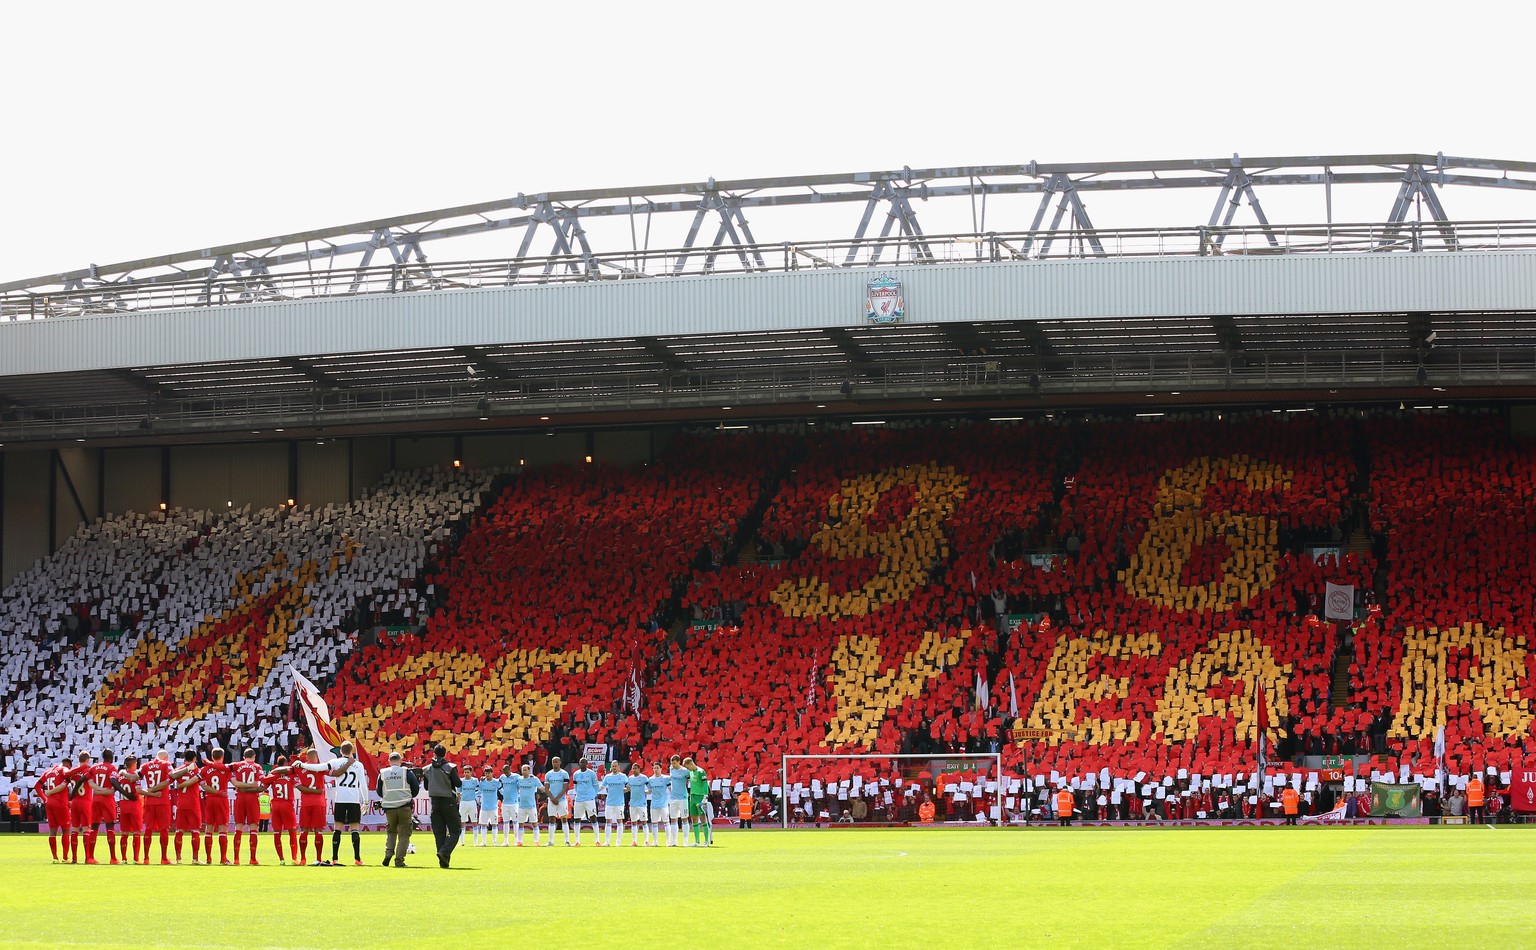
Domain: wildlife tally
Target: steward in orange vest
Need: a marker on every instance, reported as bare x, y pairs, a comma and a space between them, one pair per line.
1291, 802
744, 809
1475, 792
925, 812
1064, 805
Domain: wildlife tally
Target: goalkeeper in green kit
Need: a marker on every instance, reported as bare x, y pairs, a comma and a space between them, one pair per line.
698, 800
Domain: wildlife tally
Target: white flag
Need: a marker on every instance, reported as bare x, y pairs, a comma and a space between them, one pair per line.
1013, 697
983, 692
1440, 758
317, 714
1339, 602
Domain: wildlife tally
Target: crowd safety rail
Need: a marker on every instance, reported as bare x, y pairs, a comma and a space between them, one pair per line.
248, 280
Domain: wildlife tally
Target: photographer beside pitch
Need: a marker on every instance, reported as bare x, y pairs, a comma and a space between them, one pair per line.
397, 789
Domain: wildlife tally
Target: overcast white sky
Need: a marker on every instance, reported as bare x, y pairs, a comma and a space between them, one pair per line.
140, 129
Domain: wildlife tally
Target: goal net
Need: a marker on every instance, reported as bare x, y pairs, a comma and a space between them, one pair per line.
835, 790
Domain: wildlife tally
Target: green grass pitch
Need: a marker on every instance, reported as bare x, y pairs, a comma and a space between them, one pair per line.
815, 890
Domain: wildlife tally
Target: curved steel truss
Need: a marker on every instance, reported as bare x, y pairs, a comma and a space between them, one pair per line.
1368, 204
909, 215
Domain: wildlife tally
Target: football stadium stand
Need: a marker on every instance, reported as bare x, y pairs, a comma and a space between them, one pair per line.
1127, 606
166, 629
552, 605
1453, 500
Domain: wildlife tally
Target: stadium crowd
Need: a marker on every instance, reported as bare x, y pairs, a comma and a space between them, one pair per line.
1123, 611
163, 630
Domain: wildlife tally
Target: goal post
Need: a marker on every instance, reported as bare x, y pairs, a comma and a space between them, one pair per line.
894, 784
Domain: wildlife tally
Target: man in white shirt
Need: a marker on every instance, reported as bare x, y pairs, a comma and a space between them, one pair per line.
351, 785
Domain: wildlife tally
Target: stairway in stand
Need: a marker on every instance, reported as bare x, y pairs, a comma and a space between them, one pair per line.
1338, 690
746, 553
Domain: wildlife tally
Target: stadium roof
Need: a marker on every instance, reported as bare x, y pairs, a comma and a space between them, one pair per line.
1477, 342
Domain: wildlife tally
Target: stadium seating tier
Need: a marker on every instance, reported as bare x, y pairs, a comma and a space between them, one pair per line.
1095, 598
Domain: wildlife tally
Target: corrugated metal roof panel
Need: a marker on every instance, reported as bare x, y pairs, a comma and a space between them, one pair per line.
1076, 290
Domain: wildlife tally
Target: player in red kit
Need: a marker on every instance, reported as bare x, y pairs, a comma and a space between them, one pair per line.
189, 805
80, 804
311, 787
216, 779
283, 788
130, 810
246, 776
102, 783
157, 777
54, 784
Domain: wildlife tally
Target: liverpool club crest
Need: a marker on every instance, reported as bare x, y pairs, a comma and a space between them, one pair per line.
883, 302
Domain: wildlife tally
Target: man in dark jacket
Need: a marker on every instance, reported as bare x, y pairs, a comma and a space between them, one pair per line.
442, 781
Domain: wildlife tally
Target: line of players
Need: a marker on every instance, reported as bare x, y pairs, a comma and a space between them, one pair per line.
143, 800
659, 804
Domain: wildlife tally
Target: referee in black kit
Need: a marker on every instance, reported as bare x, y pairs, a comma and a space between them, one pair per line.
442, 781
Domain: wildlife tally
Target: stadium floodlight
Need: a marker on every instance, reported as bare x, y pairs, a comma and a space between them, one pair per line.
961, 776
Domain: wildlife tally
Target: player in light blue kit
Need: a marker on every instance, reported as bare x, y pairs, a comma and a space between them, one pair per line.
557, 780
659, 783
638, 814
677, 800
508, 784
488, 792
469, 805
585, 782
527, 811
613, 784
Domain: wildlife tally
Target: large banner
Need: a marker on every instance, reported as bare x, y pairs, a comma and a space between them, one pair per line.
1339, 813
1522, 789
1339, 601
1400, 801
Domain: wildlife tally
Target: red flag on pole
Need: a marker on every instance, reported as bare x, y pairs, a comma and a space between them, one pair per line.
322, 730
1263, 726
